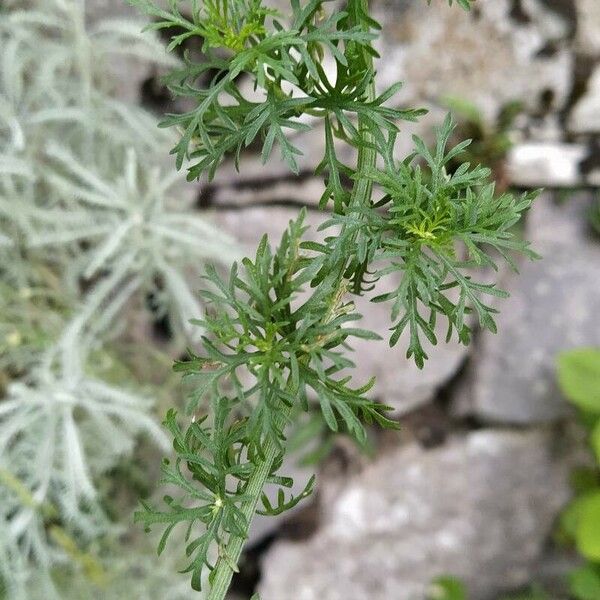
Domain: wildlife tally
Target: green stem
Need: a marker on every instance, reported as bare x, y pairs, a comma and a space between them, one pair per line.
223, 573
361, 194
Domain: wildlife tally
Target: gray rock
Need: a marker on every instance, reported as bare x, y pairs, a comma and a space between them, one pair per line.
487, 56
141, 61
399, 382
588, 27
512, 375
479, 508
248, 225
547, 164
585, 115
256, 183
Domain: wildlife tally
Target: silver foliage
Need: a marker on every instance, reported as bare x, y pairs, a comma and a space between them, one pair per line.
89, 220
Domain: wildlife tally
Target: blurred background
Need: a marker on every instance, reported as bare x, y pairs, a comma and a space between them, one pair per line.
490, 491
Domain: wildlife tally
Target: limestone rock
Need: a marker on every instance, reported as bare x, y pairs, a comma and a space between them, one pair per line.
479, 508
585, 115
549, 164
248, 225
489, 56
129, 72
512, 374
588, 27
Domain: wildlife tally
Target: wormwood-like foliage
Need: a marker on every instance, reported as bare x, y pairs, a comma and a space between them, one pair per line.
278, 328
90, 222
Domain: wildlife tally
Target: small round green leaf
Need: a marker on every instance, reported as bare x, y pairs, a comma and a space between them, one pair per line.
579, 377
587, 535
447, 588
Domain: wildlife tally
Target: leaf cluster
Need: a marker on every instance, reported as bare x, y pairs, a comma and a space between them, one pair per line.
216, 458
430, 230
288, 344
579, 377
279, 327
283, 65
434, 227
267, 348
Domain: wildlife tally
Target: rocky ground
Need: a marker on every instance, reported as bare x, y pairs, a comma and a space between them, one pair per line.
473, 484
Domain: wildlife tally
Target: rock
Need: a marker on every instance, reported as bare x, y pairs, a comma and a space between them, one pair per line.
248, 225
116, 24
547, 164
512, 375
588, 27
98, 10
258, 184
479, 508
399, 382
489, 56
585, 115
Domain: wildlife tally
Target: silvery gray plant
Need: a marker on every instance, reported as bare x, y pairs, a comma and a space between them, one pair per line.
89, 221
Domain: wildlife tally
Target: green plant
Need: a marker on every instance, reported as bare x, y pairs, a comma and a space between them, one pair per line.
90, 224
595, 216
579, 379
447, 588
269, 346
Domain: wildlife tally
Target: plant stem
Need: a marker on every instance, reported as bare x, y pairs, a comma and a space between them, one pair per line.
361, 194
223, 573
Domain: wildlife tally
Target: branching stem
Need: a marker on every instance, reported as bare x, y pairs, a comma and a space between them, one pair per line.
361, 194
223, 572
428, 209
